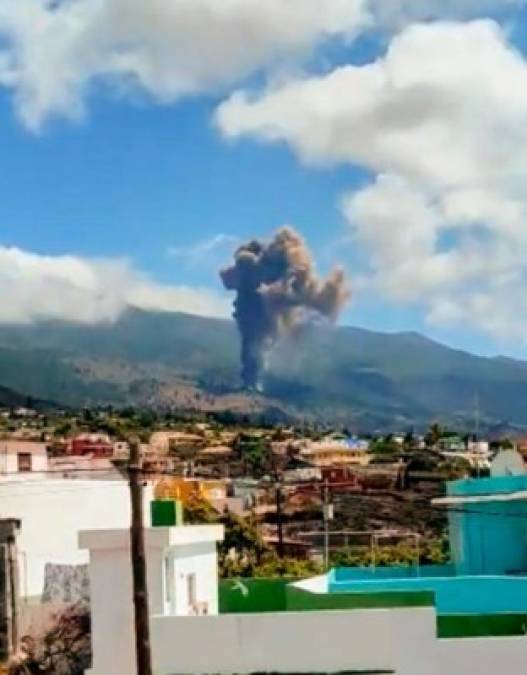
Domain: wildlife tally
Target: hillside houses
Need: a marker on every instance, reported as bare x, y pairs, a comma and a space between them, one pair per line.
333, 451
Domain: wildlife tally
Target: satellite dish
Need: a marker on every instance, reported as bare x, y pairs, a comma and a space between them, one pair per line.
507, 463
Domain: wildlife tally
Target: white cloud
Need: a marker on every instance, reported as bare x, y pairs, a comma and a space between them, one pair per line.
37, 287
52, 51
440, 120
397, 114
397, 13
463, 271
167, 48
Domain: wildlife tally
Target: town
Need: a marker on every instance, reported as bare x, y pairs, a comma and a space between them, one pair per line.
263, 359
293, 503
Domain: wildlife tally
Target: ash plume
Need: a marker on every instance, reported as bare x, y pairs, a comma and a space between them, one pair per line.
277, 288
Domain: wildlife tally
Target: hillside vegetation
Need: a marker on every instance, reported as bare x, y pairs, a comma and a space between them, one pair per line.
364, 379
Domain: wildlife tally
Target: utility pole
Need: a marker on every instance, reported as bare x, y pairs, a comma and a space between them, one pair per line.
9, 602
476, 415
14, 587
137, 551
476, 430
327, 512
280, 526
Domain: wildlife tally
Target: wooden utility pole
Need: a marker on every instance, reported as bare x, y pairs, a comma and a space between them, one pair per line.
280, 525
9, 600
137, 550
14, 590
327, 515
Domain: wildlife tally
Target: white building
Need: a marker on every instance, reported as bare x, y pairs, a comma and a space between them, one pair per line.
481, 447
476, 455
20, 456
52, 512
182, 582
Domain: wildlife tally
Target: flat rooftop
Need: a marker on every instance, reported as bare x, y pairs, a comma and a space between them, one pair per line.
465, 606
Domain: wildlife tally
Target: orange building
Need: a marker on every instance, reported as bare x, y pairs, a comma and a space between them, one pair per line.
187, 489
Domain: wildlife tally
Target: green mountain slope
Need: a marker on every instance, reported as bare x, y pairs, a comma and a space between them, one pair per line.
13, 399
365, 379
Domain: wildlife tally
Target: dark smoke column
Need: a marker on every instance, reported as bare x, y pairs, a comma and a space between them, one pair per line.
277, 288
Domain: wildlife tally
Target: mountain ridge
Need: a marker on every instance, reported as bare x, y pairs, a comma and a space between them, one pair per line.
362, 378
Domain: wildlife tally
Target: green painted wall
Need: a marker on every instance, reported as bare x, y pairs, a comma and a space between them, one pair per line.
481, 625
240, 596
298, 600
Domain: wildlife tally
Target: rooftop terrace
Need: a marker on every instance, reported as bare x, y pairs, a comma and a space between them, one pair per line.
482, 592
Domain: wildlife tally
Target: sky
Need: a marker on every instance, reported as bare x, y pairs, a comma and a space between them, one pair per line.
142, 143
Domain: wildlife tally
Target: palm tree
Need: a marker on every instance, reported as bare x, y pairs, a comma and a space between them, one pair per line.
433, 435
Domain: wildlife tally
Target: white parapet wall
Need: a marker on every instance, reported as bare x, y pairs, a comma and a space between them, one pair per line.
52, 512
400, 640
483, 656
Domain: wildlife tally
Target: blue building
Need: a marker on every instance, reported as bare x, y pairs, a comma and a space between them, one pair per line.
488, 525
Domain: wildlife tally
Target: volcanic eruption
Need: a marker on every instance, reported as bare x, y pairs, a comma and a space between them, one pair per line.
277, 288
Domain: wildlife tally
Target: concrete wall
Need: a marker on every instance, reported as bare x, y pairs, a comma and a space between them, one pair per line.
484, 656
381, 640
52, 512
399, 640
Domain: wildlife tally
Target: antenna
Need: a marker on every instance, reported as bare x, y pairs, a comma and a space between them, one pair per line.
476, 415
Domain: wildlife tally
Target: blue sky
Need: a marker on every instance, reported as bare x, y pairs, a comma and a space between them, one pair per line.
157, 180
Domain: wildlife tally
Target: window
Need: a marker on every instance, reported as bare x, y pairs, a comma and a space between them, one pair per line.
191, 590
24, 462
170, 594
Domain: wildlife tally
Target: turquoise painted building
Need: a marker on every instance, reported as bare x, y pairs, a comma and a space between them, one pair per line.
488, 525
